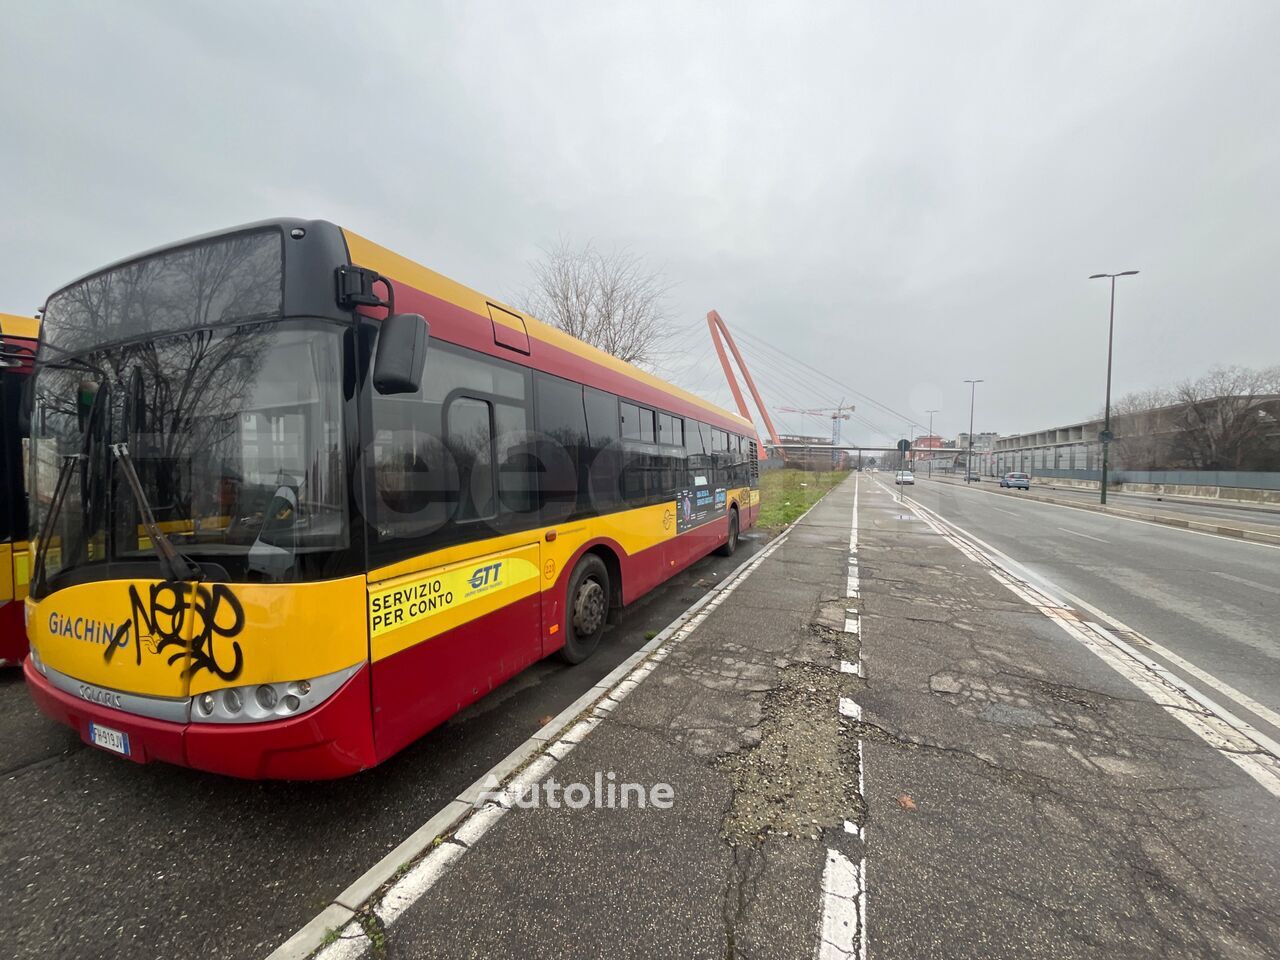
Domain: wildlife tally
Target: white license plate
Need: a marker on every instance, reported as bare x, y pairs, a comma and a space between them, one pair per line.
109, 739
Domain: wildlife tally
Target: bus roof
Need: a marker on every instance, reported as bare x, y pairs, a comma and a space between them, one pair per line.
13, 325
366, 253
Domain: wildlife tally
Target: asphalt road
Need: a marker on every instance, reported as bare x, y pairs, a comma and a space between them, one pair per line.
1214, 601
103, 858
1032, 795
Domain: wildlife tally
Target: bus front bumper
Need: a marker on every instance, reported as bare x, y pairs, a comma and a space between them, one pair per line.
335, 739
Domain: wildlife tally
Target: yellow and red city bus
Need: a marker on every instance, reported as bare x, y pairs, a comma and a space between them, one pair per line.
299, 500
17, 351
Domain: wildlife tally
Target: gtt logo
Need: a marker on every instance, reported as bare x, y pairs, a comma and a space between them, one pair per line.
485, 576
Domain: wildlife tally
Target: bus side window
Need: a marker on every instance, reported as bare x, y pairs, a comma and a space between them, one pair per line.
469, 437
562, 446
604, 456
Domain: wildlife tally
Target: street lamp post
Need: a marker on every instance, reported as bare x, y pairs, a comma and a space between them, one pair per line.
968, 460
1105, 436
931, 447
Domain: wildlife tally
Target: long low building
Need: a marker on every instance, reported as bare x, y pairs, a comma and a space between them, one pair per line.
1174, 444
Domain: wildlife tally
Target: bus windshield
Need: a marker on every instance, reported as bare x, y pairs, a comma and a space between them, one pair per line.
236, 437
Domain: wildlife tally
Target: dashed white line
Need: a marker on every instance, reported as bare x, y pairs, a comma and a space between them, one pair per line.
1246, 582
842, 930
1077, 533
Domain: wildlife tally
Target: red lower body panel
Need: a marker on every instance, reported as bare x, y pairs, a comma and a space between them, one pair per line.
333, 740
13, 634
422, 686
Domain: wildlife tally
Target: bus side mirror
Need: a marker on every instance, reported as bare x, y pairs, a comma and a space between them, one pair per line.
401, 352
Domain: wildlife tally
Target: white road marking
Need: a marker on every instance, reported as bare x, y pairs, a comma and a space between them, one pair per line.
842, 933
1254, 752
1248, 583
1009, 512
1077, 533
842, 930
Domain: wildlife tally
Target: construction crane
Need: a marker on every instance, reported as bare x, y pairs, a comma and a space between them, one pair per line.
838, 415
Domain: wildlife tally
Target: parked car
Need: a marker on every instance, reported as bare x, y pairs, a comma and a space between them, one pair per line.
1016, 480
904, 477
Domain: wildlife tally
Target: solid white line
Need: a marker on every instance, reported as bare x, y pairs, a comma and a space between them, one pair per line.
1077, 533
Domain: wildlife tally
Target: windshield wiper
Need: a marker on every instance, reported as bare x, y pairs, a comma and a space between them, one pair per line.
176, 564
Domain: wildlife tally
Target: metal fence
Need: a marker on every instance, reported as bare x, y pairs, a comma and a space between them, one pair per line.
1234, 479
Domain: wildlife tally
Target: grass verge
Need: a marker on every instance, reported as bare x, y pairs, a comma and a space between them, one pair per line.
785, 494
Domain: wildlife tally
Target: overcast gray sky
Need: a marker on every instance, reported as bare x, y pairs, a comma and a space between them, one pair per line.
902, 195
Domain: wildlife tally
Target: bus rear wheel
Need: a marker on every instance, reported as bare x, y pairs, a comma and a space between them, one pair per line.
586, 609
727, 548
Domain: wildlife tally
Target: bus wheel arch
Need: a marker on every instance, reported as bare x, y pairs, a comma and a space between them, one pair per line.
730, 545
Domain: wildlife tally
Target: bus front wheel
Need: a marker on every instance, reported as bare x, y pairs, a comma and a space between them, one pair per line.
586, 609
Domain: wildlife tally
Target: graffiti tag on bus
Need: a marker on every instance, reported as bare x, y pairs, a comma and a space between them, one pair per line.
160, 623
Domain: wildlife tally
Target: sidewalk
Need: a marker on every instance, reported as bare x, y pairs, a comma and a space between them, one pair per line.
1023, 797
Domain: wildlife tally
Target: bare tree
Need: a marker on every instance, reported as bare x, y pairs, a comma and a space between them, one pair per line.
1229, 421
613, 301
1140, 442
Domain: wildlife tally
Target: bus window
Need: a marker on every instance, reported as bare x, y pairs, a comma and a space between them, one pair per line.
469, 437
604, 466
563, 445
647, 432
630, 421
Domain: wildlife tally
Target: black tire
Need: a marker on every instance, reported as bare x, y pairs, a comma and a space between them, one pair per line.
727, 548
586, 609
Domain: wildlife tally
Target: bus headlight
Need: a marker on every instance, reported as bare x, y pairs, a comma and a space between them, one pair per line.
263, 702
37, 662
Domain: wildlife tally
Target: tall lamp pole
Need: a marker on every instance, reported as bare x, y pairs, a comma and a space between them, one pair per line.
1105, 435
931, 447
968, 460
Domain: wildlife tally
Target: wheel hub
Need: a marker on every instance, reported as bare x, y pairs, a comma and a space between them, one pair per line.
588, 608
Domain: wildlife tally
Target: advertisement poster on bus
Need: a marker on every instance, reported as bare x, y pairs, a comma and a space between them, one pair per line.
698, 505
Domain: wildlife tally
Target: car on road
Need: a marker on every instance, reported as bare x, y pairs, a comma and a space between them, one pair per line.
904, 477
1016, 481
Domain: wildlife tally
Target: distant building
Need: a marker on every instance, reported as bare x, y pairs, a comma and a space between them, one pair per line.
982, 442
818, 454
1179, 436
